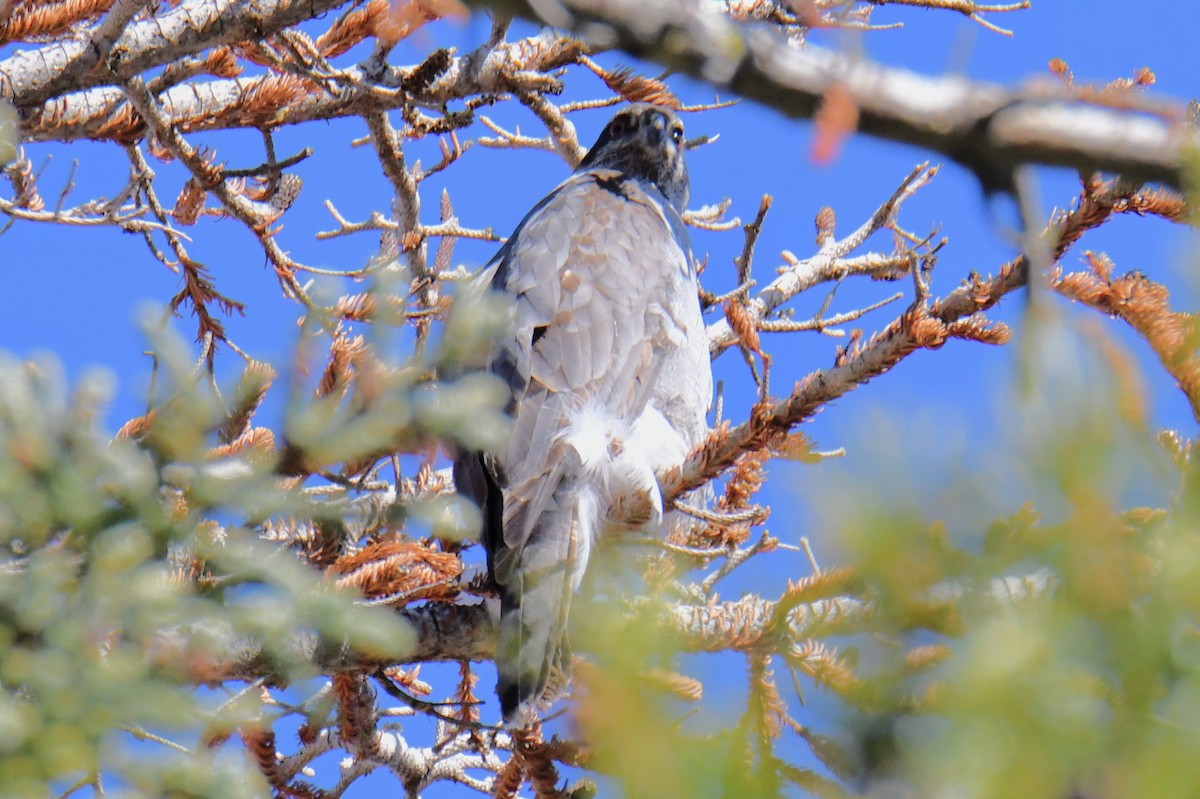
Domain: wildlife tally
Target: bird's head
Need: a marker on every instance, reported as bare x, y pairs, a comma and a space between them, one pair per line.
644, 141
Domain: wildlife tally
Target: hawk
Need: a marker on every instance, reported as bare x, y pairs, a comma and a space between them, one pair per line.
607, 361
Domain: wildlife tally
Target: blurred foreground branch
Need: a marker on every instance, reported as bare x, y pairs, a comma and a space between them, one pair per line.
987, 128
454, 632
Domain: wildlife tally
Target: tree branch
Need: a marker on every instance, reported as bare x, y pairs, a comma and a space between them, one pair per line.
985, 127
30, 76
923, 325
450, 632
274, 100
828, 264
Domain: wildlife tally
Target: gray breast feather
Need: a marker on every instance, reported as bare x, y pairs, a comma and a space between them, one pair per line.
609, 292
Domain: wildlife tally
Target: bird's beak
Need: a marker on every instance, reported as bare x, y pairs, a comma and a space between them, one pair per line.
655, 130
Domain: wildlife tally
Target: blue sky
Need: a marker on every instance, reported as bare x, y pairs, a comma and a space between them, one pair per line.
75, 292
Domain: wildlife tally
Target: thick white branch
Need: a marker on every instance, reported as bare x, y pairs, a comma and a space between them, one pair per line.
221, 104
988, 128
30, 76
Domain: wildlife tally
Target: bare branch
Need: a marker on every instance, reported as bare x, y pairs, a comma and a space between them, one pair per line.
923, 325
828, 264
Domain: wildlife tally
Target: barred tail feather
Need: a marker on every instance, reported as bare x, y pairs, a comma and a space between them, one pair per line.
536, 600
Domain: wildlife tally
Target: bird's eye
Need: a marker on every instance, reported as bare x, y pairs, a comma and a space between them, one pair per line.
677, 135
619, 125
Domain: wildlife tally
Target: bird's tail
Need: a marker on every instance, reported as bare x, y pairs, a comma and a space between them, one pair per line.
533, 641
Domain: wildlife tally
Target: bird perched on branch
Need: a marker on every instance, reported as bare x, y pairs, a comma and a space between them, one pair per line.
607, 361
